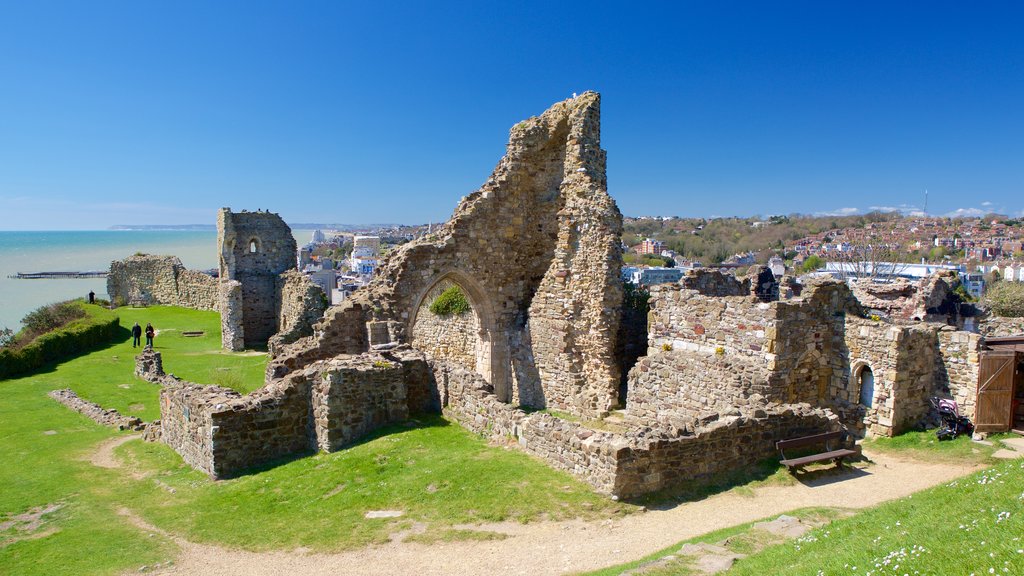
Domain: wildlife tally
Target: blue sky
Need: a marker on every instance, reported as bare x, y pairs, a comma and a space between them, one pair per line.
162, 112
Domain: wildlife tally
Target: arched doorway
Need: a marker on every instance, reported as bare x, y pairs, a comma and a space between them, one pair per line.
866, 379
465, 337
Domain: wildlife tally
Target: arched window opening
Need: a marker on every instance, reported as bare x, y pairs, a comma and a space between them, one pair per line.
252, 246
867, 386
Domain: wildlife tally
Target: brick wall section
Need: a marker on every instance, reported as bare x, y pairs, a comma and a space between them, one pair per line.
145, 280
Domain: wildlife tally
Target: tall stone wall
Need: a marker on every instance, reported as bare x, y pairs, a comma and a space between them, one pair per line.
145, 280
537, 252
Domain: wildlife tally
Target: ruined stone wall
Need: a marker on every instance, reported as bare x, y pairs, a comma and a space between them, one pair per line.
683, 319
232, 330
639, 461
957, 368
537, 252
146, 280
927, 298
714, 283
355, 395
996, 326
300, 305
674, 388
255, 247
222, 433
451, 337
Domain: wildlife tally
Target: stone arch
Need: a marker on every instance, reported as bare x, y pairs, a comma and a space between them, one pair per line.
861, 375
486, 342
254, 245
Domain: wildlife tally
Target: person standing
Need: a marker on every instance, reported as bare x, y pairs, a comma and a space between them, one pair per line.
150, 332
92, 297
136, 334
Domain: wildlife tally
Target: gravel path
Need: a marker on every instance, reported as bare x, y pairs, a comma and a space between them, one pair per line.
560, 547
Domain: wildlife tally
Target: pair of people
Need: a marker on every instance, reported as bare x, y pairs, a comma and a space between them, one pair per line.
137, 334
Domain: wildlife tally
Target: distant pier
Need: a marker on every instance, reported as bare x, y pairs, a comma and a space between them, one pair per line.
61, 275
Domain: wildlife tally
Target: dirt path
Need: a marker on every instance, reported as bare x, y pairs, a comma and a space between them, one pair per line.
560, 547
104, 454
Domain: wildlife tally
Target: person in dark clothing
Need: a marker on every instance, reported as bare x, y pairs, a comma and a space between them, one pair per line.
136, 334
150, 332
92, 297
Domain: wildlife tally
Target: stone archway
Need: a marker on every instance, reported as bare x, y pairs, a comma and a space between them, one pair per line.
471, 339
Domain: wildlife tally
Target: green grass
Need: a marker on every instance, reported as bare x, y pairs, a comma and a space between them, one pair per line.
971, 525
437, 473
925, 446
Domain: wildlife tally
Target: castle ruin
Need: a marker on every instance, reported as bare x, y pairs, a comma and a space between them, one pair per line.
534, 256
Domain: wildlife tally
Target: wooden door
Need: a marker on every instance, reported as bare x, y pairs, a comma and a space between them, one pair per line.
995, 391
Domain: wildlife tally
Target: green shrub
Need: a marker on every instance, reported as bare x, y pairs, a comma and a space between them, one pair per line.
451, 301
1006, 299
52, 316
99, 326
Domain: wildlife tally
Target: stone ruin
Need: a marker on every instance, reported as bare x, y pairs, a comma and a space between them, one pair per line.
262, 299
535, 256
146, 280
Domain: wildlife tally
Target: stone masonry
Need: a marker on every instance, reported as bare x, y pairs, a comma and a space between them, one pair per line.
145, 280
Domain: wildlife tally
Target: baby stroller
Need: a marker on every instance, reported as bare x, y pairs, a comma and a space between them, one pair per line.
953, 424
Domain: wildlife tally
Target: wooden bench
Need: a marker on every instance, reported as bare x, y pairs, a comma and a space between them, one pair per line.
825, 439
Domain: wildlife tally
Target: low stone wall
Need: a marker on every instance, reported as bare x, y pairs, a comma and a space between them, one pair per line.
145, 280
99, 414
641, 461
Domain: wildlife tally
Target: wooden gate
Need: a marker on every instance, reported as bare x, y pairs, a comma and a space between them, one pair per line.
995, 391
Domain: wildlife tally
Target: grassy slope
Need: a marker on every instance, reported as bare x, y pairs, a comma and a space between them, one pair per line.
437, 473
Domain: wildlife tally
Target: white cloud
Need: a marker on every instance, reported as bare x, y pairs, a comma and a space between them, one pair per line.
986, 203
966, 213
905, 209
839, 212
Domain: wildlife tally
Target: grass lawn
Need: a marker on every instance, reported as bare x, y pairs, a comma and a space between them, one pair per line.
974, 525
59, 513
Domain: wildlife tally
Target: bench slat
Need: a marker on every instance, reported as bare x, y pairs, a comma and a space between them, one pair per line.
819, 457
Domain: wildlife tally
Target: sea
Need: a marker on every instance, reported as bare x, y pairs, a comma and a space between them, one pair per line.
82, 251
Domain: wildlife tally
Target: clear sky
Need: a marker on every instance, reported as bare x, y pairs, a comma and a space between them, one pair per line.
370, 112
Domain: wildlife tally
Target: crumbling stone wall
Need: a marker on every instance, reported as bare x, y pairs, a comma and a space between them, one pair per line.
929, 298
536, 250
997, 326
642, 460
300, 304
145, 280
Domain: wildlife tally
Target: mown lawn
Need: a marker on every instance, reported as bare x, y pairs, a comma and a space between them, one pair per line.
434, 471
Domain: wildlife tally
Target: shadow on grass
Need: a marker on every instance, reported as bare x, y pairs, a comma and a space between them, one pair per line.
414, 422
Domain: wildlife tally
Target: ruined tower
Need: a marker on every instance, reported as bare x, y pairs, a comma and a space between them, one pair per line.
254, 249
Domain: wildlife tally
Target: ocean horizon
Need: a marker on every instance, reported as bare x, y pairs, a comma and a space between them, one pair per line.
88, 250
